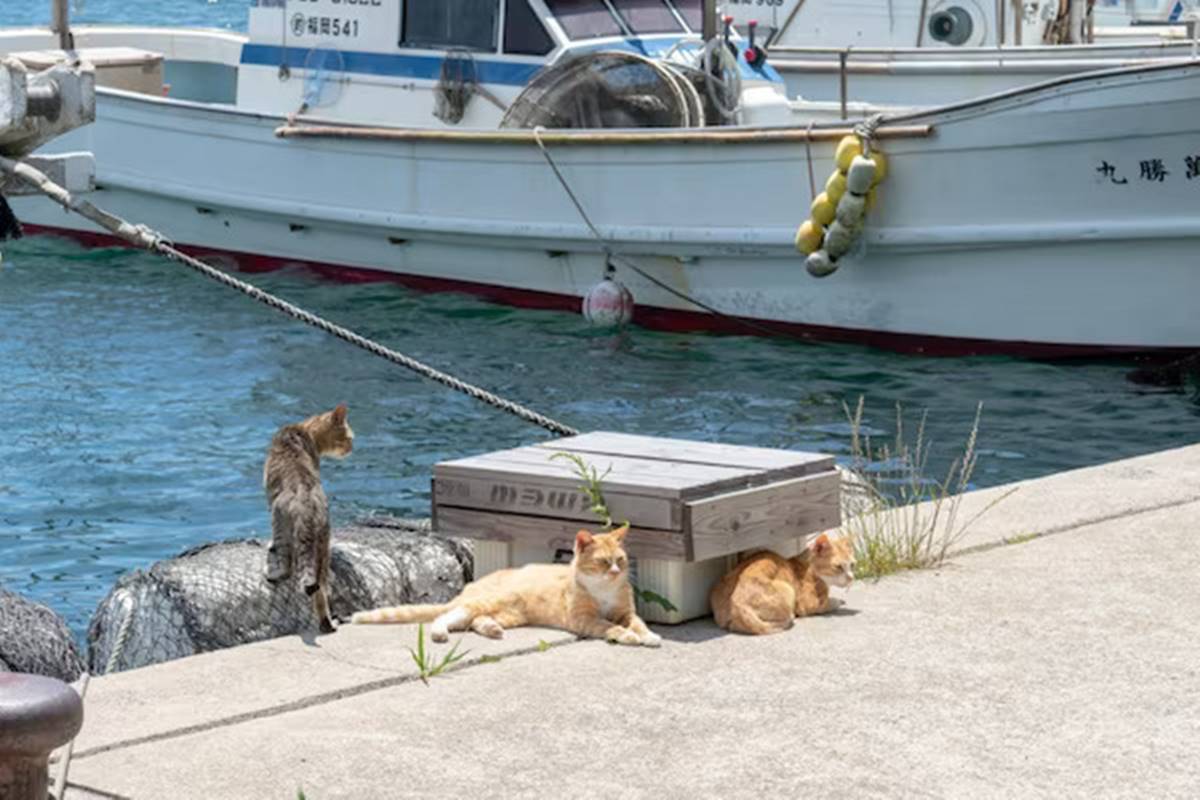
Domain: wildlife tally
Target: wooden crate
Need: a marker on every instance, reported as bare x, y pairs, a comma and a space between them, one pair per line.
692, 507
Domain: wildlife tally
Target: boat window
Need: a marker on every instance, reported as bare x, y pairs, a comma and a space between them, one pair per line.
691, 12
585, 19
451, 23
648, 16
523, 31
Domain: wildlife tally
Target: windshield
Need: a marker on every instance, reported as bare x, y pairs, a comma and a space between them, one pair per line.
589, 19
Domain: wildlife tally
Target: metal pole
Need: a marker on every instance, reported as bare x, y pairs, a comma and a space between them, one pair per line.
61, 24
710, 20
842, 56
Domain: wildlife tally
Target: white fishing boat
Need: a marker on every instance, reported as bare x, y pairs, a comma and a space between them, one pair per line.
910, 53
1053, 220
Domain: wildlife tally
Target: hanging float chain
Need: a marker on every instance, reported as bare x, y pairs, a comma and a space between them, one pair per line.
612, 257
143, 237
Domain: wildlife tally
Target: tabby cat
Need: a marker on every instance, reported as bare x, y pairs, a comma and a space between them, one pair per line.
766, 592
590, 597
299, 509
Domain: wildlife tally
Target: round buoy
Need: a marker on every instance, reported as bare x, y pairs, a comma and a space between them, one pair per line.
809, 237
608, 304
820, 265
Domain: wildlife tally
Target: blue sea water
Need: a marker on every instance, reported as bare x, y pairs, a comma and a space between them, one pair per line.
137, 399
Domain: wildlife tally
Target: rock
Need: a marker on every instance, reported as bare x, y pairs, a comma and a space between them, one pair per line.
216, 596
35, 640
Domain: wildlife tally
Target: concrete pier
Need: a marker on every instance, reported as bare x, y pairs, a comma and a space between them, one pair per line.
1058, 657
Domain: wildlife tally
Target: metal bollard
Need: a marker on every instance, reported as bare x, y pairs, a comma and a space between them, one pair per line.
36, 715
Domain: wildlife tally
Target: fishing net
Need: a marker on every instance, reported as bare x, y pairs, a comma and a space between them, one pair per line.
608, 90
216, 596
35, 640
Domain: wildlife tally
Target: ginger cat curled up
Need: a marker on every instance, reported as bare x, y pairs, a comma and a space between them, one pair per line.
766, 592
299, 508
590, 597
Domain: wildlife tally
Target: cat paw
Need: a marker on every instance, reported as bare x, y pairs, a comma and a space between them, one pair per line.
628, 637
651, 639
439, 635
327, 626
275, 576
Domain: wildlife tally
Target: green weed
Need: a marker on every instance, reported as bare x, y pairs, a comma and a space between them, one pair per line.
426, 665
592, 486
909, 521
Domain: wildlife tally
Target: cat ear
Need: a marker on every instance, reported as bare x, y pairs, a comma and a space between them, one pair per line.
619, 533
820, 545
339, 414
583, 541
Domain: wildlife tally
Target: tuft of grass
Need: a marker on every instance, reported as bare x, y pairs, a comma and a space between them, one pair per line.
489, 659
910, 521
426, 664
591, 483
542, 645
1021, 538
300, 795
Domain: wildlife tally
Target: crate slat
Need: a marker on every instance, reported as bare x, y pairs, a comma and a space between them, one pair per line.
783, 463
553, 499
754, 518
552, 534
629, 474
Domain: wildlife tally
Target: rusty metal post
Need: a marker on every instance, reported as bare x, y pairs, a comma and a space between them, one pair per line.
36, 715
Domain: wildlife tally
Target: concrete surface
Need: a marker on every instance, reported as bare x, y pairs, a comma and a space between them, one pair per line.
1063, 666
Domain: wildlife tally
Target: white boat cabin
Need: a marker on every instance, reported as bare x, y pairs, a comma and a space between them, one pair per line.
456, 63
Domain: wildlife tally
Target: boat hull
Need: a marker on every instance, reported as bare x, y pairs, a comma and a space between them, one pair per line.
1002, 232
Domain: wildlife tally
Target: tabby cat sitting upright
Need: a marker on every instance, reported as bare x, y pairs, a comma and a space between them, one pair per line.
766, 592
299, 509
590, 597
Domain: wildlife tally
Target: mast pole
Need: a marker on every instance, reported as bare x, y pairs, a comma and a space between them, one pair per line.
710, 20
61, 23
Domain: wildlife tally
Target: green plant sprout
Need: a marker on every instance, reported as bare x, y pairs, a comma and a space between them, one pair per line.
592, 487
426, 665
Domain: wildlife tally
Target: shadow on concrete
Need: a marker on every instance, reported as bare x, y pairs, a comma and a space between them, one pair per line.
693, 632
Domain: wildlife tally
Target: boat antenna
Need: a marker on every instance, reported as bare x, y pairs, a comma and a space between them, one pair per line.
61, 24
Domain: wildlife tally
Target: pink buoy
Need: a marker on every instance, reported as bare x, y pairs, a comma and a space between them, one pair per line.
608, 304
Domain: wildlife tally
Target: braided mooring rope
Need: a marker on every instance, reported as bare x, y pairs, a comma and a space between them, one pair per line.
143, 237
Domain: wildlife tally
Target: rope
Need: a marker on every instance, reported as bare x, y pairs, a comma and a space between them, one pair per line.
613, 256
812, 181
866, 130
114, 657
146, 238
728, 85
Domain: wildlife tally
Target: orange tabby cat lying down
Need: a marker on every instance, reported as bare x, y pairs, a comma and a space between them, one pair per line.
766, 592
590, 597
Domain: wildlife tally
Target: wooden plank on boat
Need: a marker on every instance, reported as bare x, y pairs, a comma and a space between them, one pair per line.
314, 129
755, 518
551, 534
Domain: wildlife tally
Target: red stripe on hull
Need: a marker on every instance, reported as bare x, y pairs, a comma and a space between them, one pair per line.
665, 319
